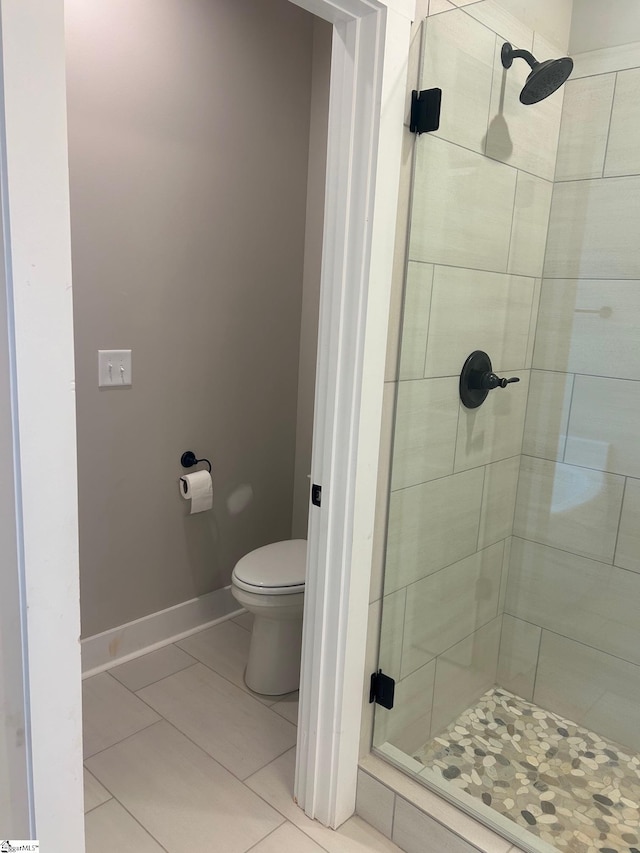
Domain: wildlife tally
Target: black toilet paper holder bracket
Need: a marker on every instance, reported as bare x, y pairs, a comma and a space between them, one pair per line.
188, 460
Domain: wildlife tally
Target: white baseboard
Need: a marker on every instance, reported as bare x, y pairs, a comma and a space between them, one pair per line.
118, 645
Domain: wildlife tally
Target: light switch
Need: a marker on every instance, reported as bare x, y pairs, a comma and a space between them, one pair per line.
114, 368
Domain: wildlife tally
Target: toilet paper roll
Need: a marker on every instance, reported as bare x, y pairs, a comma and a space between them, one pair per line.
197, 488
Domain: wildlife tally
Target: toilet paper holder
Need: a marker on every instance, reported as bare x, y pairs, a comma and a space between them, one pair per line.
188, 460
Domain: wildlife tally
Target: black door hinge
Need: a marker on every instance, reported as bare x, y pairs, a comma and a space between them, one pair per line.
383, 688
425, 110
316, 494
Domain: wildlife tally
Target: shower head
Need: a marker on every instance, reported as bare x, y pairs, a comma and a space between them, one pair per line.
545, 77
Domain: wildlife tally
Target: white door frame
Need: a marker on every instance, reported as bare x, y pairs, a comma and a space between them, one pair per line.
368, 75
366, 114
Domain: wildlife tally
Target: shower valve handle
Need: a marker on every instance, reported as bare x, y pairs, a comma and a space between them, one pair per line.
489, 381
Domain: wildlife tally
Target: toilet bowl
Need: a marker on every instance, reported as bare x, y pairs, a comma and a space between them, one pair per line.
269, 582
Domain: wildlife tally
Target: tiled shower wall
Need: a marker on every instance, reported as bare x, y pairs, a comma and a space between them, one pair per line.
481, 201
571, 639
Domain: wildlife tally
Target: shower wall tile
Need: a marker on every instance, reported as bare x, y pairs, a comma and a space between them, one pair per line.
449, 605
628, 547
431, 526
545, 430
408, 723
590, 602
436, 7
529, 227
425, 432
589, 326
605, 60
462, 207
526, 138
518, 659
567, 507
593, 230
585, 127
508, 28
458, 58
391, 632
595, 689
623, 151
537, 289
370, 664
498, 501
382, 491
505, 574
415, 320
463, 673
477, 310
602, 430
494, 430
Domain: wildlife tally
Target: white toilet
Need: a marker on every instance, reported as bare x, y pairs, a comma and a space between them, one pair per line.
269, 582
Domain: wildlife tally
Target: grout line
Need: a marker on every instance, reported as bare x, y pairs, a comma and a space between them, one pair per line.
535, 674
122, 740
484, 156
429, 316
103, 803
615, 547
162, 678
482, 496
264, 837
574, 554
393, 813
606, 147
511, 230
568, 424
457, 642
459, 473
146, 829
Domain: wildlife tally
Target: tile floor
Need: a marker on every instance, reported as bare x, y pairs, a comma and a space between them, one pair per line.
180, 756
573, 788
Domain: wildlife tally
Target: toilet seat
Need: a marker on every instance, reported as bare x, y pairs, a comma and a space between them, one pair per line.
276, 569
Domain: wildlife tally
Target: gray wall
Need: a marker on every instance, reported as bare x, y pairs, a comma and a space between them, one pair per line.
188, 137
321, 73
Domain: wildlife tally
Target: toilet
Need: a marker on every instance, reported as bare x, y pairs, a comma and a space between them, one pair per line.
269, 582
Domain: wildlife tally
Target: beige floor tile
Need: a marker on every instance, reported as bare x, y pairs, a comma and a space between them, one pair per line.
110, 713
288, 708
287, 839
144, 670
110, 827
274, 783
94, 793
240, 733
225, 649
209, 802
245, 620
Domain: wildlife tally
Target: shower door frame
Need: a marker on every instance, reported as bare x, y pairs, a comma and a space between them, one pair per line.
366, 116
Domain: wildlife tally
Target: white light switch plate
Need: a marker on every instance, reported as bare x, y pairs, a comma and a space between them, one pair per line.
114, 368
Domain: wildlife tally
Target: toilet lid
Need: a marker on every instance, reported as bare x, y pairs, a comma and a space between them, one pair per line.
276, 566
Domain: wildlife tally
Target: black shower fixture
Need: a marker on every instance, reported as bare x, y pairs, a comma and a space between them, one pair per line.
545, 77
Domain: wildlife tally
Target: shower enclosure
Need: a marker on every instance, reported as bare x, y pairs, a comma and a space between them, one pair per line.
511, 599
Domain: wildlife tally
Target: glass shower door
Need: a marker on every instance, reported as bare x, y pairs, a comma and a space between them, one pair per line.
512, 571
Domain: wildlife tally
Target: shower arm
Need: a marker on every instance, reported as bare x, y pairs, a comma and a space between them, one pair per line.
526, 55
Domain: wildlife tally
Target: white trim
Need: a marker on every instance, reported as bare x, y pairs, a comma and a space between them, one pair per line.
133, 639
366, 113
38, 264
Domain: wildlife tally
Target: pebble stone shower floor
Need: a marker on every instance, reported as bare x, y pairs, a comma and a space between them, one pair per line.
571, 787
